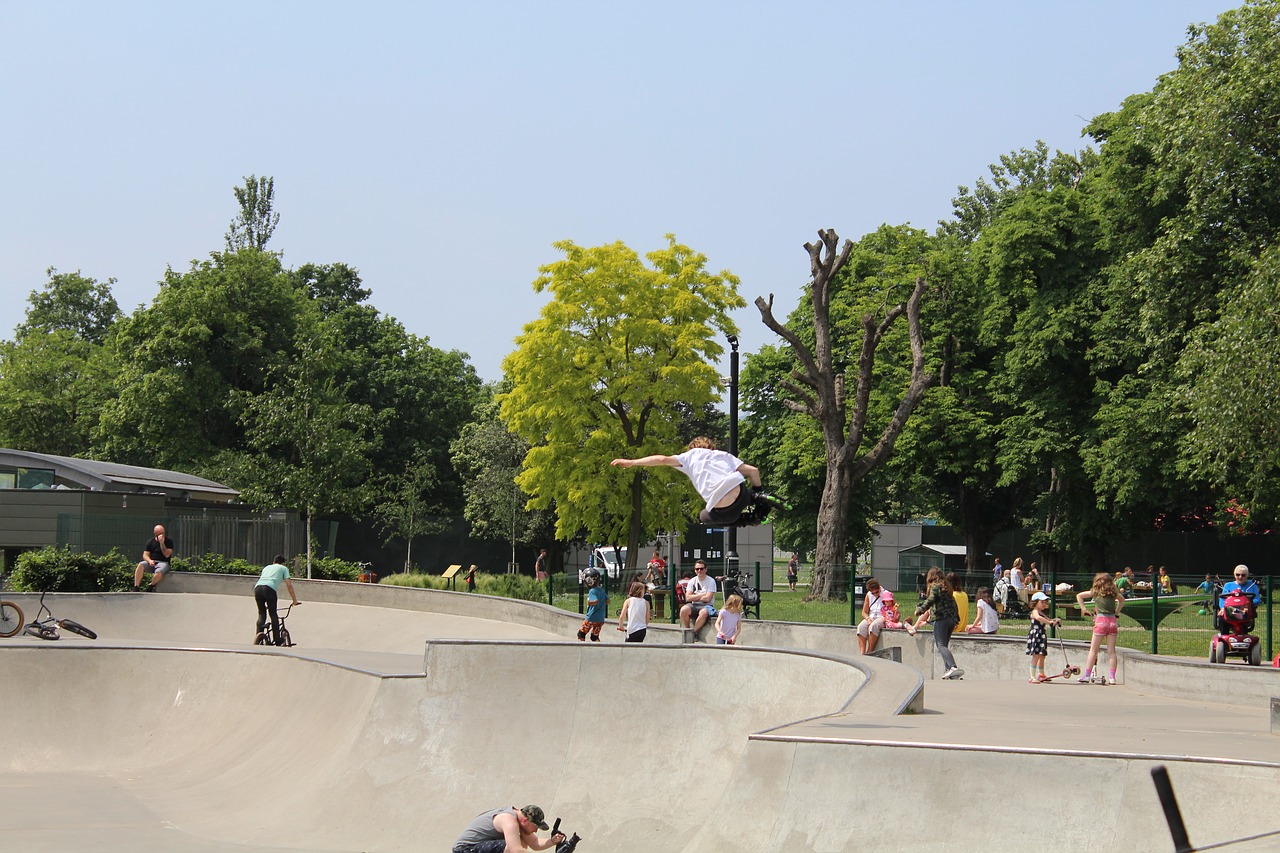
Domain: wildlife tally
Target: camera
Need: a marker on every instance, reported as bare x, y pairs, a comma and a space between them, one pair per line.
569, 844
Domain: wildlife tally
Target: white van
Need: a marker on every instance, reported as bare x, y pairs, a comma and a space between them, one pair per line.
607, 561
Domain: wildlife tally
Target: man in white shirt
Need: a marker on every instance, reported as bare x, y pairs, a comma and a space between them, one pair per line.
699, 593
718, 476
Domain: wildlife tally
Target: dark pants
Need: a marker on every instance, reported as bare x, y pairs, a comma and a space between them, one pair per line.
637, 637
942, 630
266, 599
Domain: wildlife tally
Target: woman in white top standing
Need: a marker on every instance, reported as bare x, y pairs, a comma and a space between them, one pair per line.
634, 615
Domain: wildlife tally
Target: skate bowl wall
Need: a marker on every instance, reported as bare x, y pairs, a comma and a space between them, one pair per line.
360, 762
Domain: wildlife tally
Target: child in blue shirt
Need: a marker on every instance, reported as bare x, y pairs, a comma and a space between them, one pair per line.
597, 607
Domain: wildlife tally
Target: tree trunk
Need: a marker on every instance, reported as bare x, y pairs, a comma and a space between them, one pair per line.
830, 581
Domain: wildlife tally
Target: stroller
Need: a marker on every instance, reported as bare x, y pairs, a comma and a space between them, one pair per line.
739, 585
1233, 638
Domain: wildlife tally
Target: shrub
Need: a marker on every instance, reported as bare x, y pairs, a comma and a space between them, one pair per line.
64, 570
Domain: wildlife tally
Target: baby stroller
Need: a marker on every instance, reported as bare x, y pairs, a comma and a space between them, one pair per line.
739, 585
1233, 638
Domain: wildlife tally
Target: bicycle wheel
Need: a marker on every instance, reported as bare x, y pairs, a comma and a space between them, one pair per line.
77, 628
11, 619
285, 639
44, 632
260, 639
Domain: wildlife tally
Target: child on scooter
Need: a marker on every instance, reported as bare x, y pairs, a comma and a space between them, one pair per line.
1038, 636
1107, 604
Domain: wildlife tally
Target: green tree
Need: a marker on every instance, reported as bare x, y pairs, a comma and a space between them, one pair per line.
1231, 374
1193, 172
73, 303
312, 445
487, 457
55, 376
257, 221
854, 443
603, 372
212, 339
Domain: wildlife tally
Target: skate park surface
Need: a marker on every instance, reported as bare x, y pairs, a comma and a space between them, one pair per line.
401, 714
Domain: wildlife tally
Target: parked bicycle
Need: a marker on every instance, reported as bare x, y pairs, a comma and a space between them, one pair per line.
263, 637
11, 619
45, 626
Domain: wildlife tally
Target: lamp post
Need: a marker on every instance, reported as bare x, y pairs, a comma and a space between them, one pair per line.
731, 549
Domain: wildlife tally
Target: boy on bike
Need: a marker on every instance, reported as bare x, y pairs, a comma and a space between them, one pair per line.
266, 596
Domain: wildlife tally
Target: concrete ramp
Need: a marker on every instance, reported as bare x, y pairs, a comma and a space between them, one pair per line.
268, 751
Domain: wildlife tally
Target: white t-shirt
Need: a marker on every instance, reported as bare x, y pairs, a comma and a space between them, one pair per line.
1015, 578
714, 472
708, 584
988, 619
729, 623
637, 615
876, 609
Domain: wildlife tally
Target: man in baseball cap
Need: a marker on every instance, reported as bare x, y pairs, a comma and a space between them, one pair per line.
506, 829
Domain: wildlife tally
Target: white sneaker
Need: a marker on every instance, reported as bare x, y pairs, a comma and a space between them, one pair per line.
954, 672
1110, 680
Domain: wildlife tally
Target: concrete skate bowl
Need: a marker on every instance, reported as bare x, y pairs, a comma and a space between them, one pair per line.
148, 748
377, 734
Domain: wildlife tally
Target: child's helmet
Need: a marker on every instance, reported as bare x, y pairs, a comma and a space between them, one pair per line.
591, 577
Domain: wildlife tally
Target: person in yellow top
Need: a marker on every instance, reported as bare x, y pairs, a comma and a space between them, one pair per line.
961, 597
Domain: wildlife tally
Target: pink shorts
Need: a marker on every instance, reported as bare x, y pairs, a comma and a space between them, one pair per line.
1105, 626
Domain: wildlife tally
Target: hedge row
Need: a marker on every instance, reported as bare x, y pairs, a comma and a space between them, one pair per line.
64, 570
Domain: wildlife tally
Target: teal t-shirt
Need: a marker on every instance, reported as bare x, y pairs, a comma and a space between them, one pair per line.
597, 605
272, 575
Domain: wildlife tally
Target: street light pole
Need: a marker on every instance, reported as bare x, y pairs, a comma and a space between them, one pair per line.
732, 545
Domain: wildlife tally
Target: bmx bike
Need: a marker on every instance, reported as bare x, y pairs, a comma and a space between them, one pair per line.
264, 638
11, 619
45, 626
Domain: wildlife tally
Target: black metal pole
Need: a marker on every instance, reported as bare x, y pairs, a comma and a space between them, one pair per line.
1172, 814
733, 433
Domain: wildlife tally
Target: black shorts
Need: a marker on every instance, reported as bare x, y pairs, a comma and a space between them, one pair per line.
728, 514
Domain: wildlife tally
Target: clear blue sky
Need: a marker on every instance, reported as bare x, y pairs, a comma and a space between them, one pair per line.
441, 147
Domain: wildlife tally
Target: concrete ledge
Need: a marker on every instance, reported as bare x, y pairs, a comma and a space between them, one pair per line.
1275, 715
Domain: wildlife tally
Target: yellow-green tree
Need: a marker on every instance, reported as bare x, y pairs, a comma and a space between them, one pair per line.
602, 373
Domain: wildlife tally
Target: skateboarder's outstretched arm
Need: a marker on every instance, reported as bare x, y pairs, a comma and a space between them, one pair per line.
647, 462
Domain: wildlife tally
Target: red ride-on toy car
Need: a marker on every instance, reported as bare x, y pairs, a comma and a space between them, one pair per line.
1233, 638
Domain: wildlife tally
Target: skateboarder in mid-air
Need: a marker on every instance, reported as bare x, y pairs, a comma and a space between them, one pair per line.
720, 479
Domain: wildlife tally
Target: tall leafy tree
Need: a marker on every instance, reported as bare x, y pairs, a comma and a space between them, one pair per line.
1231, 374
55, 376
604, 372
210, 341
73, 303
487, 456
854, 444
311, 444
1193, 167
257, 221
